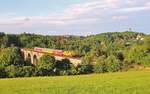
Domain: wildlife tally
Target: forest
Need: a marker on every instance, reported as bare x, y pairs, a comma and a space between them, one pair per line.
105, 52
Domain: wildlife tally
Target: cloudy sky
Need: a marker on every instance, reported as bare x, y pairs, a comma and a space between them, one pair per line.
74, 17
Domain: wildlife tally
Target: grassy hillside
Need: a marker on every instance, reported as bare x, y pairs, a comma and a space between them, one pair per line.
132, 82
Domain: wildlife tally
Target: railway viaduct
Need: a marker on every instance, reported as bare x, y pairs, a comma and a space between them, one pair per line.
34, 56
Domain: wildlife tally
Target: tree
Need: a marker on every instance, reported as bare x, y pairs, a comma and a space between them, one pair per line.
46, 65
97, 51
28, 71
87, 59
138, 55
13, 71
147, 42
100, 66
66, 64
5, 41
113, 64
85, 69
120, 55
47, 59
3, 73
65, 67
11, 56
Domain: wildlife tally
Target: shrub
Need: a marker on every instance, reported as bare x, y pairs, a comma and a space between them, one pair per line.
65, 67
47, 59
20, 71
11, 56
3, 73
87, 59
113, 64
100, 66
13, 71
45, 70
85, 69
138, 55
46, 65
28, 71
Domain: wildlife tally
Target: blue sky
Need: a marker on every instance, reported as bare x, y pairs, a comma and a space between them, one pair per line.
74, 17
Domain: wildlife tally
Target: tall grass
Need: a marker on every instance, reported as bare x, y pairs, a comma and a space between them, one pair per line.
132, 82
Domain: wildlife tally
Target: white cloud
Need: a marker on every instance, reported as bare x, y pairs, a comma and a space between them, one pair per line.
84, 13
134, 9
13, 21
120, 18
147, 4
113, 3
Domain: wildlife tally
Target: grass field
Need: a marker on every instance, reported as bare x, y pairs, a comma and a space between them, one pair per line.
132, 82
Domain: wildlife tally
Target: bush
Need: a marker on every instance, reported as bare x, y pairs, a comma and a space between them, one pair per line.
113, 64
73, 71
47, 61
46, 65
65, 67
28, 71
45, 70
100, 66
85, 69
13, 71
3, 73
126, 65
20, 71
138, 55
87, 59
11, 56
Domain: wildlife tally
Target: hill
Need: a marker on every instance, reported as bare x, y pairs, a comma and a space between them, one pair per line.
106, 52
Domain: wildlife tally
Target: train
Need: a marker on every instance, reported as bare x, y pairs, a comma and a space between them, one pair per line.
57, 52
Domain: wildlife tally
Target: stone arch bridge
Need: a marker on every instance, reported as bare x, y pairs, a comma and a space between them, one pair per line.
34, 56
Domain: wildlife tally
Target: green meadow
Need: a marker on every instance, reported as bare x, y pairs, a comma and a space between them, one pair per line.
131, 82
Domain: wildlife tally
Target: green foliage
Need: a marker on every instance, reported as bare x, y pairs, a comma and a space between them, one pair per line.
111, 51
147, 42
65, 64
100, 66
109, 64
85, 69
47, 59
113, 64
20, 71
28, 71
65, 67
138, 55
87, 59
3, 73
11, 56
13, 71
46, 65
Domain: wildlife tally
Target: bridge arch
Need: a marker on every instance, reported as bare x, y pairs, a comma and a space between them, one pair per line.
29, 57
35, 59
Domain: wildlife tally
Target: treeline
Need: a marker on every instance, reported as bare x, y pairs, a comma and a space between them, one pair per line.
12, 64
106, 52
